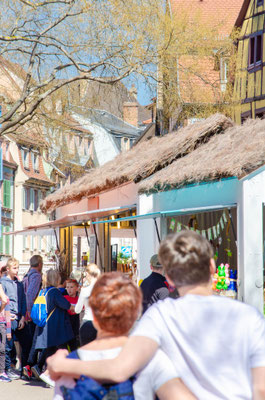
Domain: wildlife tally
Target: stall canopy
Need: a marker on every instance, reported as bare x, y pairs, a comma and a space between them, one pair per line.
69, 220
159, 214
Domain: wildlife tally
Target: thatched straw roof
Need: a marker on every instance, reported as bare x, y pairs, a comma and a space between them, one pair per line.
141, 161
236, 153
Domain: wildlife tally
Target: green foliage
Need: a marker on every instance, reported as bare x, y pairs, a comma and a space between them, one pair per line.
122, 259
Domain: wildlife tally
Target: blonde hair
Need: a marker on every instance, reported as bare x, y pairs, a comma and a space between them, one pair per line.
52, 278
92, 271
12, 261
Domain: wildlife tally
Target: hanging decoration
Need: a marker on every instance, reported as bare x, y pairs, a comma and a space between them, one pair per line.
225, 281
211, 233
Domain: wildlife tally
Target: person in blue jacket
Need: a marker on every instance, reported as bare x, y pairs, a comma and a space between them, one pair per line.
14, 290
58, 331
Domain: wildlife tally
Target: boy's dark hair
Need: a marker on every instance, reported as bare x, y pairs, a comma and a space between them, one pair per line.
3, 269
35, 261
186, 258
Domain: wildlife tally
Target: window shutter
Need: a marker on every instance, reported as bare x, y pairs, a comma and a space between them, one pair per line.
39, 198
1, 164
24, 242
2, 240
4, 194
7, 193
31, 207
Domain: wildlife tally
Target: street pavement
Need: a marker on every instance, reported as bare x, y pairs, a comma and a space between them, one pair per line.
23, 390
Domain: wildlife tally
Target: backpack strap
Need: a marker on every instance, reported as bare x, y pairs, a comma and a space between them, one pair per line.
50, 314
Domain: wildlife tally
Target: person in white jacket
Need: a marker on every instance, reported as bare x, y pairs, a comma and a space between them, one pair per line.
88, 332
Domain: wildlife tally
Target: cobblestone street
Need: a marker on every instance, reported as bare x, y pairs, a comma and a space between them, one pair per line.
22, 390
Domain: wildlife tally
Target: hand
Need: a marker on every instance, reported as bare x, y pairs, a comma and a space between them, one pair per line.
9, 336
21, 323
12, 317
28, 317
72, 308
54, 362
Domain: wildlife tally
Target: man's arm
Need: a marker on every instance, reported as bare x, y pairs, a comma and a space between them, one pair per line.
174, 390
3, 298
258, 381
136, 353
33, 290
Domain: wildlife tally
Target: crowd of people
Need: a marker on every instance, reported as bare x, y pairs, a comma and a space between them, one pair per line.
172, 338
21, 337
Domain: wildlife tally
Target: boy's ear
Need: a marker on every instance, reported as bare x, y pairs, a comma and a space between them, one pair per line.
170, 281
212, 266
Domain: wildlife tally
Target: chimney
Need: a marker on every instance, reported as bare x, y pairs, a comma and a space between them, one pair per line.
130, 113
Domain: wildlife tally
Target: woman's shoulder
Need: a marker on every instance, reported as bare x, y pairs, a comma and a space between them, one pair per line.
53, 292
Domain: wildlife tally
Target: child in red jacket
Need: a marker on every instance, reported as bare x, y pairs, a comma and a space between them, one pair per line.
72, 288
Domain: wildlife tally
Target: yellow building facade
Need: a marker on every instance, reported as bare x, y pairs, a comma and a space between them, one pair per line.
249, 85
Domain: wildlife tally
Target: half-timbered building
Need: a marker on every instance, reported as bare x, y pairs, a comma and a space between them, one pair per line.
249, 86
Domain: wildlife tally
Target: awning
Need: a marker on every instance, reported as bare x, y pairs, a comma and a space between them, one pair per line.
69, 220
160, 214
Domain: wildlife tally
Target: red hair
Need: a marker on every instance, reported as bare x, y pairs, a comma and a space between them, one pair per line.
115, 301
72, 281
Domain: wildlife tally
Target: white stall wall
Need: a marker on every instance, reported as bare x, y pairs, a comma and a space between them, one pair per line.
250, 239
147, 241
248, 194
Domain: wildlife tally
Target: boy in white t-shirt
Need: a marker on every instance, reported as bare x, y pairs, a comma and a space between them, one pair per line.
115, 302
217, 344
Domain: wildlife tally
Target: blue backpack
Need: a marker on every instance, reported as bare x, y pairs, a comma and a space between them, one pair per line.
39, 311
88, 389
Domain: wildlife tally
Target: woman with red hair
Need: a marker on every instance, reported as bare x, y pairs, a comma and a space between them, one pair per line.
116, 304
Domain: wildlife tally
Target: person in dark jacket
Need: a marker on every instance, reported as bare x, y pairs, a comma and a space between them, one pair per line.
155, 286
32, 284
14, 289
57, 331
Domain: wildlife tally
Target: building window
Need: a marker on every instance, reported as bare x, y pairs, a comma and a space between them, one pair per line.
7, 242
25, 158
7, 194
31, 198
36, 200
35, 161
125, 144
259, 3
28, 198
245, 116
255, 51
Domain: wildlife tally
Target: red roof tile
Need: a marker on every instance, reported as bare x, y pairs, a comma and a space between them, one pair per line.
205, 85
41, 176
224, 12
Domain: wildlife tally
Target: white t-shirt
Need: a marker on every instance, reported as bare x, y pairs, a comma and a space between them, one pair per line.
159, 370
83, 302
213, 342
